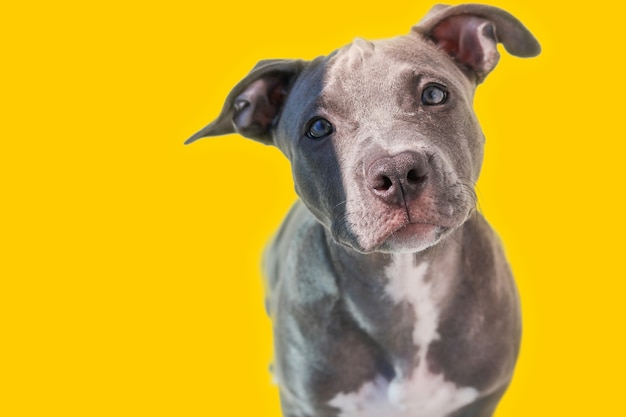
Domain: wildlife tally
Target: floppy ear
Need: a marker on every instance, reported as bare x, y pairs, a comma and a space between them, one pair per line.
470, 34
253, 106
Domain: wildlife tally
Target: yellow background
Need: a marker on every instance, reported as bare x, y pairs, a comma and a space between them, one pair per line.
129, 263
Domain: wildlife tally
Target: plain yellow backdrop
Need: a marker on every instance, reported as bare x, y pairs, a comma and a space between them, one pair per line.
129, 270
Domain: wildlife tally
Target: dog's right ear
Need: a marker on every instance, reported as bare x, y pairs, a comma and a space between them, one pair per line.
253, 106
469, 33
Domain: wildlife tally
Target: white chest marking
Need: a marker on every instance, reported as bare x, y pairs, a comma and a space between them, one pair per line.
407, 284
423, 394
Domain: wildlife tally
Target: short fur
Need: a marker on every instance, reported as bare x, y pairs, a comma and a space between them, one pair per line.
390, 295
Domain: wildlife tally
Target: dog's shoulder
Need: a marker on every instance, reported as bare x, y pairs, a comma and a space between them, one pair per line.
298, 260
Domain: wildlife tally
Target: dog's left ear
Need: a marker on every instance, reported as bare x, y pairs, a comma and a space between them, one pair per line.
254, 104
470, 34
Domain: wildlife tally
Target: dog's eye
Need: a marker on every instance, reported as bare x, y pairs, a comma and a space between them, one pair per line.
319, 128
433, 95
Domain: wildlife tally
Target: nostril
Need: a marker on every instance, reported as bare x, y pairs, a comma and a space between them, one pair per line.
398, 179
384, 183
415, 177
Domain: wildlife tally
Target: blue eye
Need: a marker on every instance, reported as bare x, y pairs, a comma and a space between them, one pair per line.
434, 95
319, 128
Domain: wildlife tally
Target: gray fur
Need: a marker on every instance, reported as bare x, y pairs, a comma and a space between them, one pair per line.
393, 181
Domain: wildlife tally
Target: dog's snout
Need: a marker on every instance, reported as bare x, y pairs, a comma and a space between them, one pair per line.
399, 178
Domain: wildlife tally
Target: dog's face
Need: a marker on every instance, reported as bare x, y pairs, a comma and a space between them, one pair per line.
382, 139
385, 148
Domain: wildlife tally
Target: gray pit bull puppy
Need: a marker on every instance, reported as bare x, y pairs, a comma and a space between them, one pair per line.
390, 295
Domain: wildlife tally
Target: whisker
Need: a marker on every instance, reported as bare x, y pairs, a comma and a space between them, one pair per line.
341, 203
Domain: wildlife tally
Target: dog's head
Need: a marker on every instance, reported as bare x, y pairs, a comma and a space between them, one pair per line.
383, 142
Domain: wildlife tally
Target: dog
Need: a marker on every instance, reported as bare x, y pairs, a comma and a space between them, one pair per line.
390, 295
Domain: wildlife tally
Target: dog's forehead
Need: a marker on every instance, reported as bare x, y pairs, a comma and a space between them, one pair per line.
364, 68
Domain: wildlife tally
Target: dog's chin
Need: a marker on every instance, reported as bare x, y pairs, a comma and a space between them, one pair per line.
411, 238
408, 238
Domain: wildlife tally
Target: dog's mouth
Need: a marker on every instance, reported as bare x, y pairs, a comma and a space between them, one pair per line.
412, 237
368, 224
399, 231
415, 229
397, 237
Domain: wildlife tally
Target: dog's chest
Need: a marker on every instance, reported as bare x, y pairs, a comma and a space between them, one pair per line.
418, 392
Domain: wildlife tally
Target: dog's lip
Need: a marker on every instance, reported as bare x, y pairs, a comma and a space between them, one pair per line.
414, 230
416, 227
405, 234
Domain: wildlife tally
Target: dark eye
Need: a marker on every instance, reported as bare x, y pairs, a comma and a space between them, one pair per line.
319, 128
434, 95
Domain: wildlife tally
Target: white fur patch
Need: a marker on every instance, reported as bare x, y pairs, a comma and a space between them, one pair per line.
407, 283
424, 394
369, 401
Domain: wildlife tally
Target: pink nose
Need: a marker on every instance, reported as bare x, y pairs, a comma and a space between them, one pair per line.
399, 178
